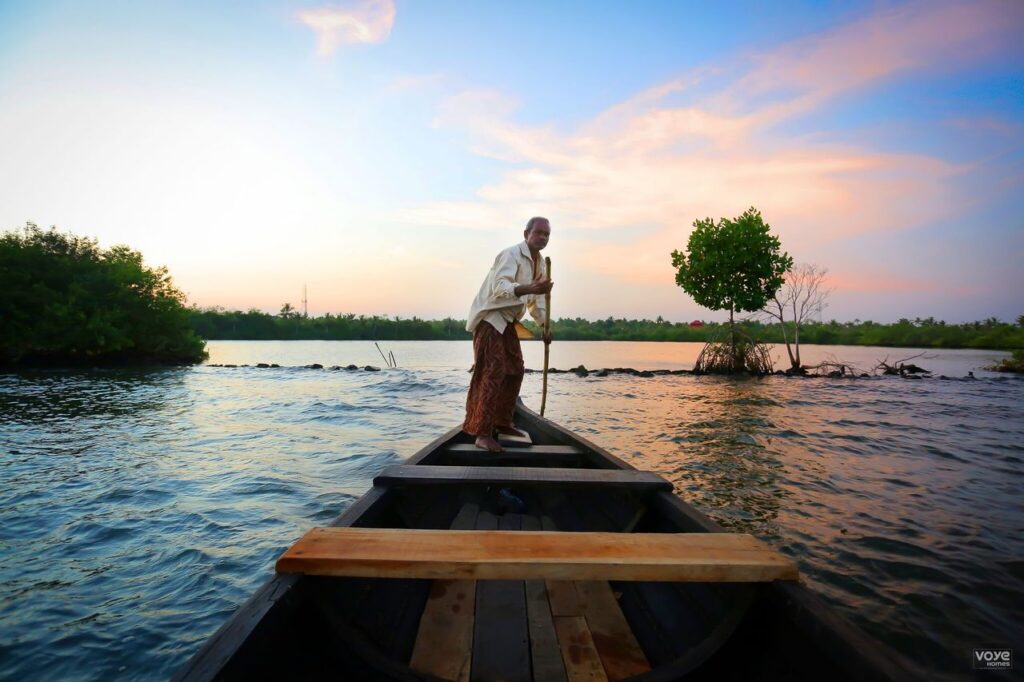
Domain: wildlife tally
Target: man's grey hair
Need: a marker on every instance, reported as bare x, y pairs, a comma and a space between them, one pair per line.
534, 220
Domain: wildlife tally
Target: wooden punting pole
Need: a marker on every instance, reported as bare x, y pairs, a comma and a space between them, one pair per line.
547, 346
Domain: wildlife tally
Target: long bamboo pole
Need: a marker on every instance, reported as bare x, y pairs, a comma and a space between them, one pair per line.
547, 346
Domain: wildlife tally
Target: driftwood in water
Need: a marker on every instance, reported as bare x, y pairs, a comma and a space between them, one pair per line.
901, 367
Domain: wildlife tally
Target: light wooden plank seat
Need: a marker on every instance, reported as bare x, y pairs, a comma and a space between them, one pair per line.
419, 474
494, 555
506, 439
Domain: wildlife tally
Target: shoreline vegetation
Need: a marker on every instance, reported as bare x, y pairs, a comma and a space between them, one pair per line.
1013, 364
67, 302
217, 324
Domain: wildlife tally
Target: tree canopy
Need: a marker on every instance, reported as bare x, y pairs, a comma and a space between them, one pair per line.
734, 264
66, 300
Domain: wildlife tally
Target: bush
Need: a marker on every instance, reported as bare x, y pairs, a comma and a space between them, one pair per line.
66, 301
1014, 363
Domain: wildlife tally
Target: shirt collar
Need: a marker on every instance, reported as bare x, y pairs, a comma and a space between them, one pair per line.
525, 250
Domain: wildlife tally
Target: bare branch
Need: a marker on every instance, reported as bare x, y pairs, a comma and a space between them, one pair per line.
802, 297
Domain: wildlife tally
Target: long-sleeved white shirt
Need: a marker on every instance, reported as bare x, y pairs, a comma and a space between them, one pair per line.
497, 303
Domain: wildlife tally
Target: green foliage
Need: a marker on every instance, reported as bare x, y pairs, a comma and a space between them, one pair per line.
1014, 363
68, 301
216, 323
733, 265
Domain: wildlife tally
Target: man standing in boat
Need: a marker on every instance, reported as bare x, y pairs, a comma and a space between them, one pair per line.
516, 282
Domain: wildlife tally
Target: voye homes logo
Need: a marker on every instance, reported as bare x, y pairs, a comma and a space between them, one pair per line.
993, 659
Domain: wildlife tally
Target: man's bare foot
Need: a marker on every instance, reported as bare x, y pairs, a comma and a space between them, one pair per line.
510, 431
488, 443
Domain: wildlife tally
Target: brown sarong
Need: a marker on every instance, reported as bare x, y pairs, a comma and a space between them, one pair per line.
497, 376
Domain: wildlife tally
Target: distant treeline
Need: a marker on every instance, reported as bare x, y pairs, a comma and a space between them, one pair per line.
218, 324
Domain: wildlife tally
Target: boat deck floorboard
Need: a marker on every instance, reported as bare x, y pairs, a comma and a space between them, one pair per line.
523, 630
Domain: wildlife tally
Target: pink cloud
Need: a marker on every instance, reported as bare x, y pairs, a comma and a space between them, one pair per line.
878, 282
368, 21
652, 162
917, 36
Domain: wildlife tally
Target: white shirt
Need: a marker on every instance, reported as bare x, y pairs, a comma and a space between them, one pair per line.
497, 303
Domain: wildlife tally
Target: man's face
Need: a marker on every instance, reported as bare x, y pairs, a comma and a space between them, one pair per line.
537, 237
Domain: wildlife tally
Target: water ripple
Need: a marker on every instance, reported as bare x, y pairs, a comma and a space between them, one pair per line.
139, 509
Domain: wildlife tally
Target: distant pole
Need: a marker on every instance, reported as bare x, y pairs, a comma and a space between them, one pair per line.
305, 302
547, 346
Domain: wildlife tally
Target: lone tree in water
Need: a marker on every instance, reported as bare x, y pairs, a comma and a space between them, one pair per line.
735, 265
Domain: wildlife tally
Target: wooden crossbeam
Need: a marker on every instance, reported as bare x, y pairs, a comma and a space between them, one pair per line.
417, 474
520, 450
498, 555
550, 455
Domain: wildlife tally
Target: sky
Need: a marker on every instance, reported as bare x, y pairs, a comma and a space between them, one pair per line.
380, 153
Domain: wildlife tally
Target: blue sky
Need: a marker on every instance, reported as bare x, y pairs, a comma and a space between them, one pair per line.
381, 152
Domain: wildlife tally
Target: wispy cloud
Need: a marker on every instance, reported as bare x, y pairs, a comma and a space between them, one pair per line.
369, 21
713, 141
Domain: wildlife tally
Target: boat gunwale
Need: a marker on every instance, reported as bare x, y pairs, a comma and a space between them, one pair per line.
809, 612
218, 650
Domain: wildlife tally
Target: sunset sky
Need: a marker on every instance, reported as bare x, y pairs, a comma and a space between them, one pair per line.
382, 152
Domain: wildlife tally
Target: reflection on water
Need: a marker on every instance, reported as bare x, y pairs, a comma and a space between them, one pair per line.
139, 509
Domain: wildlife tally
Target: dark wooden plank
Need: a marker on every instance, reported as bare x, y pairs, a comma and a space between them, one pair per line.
545, 654
506, 459
519, 450
562, 513
466, 518
434, 475
501, 647
510, 522
426, 507
543, 455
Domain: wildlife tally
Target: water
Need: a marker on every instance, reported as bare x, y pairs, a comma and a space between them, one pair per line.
139, 509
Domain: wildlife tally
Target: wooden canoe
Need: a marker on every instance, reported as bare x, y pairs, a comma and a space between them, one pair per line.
590, 607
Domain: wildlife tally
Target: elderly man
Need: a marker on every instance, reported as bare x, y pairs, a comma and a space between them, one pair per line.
518, 280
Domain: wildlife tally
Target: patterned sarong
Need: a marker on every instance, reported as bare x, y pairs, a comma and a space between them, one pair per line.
497, 376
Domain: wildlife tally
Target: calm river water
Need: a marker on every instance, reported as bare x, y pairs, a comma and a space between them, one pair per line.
139, 509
